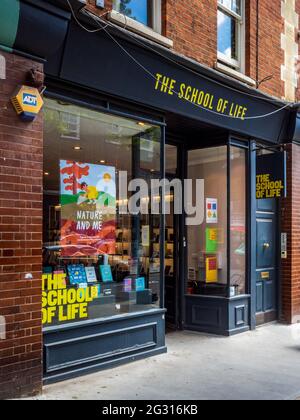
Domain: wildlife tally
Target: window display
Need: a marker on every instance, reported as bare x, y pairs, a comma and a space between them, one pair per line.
208, 242
98, 261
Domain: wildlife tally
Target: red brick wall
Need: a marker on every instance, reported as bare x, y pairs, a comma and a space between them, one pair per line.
21, 165
192, 26
265, 58
290, 276
298, 61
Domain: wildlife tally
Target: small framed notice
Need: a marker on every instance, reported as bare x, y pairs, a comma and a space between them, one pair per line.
211, 210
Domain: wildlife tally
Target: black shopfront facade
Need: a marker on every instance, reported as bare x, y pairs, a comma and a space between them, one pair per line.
116, 101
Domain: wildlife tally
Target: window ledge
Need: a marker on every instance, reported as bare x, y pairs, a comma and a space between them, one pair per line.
234, 73
139, 28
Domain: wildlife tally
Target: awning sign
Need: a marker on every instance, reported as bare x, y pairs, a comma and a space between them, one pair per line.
271, 176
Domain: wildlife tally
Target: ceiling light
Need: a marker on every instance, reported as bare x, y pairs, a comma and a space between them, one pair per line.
77, 148
46, 173
141, 123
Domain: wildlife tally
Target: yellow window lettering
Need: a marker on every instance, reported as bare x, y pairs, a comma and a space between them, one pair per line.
44, 299
52, 298
71, 312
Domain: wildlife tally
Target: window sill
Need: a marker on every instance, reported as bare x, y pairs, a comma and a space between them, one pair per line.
139, 28
235, 74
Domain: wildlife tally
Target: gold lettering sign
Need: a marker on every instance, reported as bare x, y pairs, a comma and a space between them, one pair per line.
266, 188
271, 176
197, 96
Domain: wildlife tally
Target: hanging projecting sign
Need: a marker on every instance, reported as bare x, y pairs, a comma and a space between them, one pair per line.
88, 209
271, 176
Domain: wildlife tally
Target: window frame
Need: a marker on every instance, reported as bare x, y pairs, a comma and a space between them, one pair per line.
238, 64
154, 15
117, 109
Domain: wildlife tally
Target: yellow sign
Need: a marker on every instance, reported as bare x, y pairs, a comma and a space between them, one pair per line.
27, 102
271, 176
266, 188
211, 270
63, 304
265, 275
213, 234
199, 97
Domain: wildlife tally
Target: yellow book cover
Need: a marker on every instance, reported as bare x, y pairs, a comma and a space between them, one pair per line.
211, 270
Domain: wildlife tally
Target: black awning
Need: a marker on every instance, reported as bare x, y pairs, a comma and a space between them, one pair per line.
116, 64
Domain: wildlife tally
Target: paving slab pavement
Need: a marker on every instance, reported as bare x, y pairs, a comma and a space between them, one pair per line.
259, 365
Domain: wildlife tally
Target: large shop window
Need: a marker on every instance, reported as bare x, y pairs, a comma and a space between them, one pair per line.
223, 230
98, 261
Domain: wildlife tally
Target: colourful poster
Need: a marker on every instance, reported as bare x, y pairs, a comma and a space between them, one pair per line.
211, 270
211, 210
211, 240
88, 209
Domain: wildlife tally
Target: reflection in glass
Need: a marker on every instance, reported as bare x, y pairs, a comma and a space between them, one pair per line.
233, 5
227, 39
171, 159
135, 9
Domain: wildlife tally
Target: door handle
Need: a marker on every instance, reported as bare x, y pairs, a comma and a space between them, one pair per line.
266, 245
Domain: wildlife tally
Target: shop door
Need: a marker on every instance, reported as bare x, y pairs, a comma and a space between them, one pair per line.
267, 261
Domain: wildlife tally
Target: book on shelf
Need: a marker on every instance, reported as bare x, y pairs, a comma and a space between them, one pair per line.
77, 274
140, 284
106, 273
91, 274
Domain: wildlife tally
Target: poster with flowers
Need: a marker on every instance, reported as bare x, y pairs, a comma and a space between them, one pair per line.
88, 209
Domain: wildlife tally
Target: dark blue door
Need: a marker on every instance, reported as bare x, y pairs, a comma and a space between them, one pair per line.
266, 261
